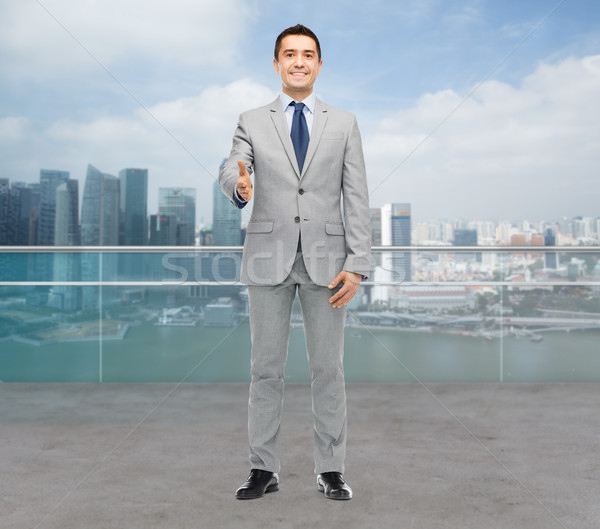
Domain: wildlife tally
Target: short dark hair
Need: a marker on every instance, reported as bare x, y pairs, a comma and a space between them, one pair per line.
298, 29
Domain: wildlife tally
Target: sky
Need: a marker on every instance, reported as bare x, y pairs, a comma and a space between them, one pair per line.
476, 109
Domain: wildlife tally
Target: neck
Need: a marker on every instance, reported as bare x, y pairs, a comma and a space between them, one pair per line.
297, 95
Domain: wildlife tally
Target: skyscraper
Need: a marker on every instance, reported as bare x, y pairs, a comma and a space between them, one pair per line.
227, 231
133, 221
163, 230
67, 266
4, 212
28, 200
396, 231
99, 227
134, 207
100, 209
466, 237
227, 220
551, 258
49, 181
181, 202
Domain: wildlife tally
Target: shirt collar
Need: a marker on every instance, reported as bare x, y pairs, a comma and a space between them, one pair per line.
309, 101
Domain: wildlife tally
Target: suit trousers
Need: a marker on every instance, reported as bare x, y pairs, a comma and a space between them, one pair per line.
270, 316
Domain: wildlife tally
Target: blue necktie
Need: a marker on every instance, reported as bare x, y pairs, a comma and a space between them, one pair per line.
299, 133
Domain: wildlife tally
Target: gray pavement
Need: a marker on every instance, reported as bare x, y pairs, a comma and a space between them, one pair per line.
130, 456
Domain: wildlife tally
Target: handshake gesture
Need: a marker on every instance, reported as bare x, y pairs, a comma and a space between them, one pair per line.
244, 184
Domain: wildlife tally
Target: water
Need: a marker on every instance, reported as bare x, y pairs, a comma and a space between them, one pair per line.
199, 354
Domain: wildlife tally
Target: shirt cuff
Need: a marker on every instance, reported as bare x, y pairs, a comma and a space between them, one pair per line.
237, 200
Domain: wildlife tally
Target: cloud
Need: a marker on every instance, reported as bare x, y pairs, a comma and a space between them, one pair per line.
37, 37
507, 151
181, 142
526, 151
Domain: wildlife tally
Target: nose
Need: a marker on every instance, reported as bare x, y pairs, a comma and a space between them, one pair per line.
299, 60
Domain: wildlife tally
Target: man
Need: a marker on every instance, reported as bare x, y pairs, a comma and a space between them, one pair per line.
304, 155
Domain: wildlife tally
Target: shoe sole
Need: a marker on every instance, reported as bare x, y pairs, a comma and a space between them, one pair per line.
270, 488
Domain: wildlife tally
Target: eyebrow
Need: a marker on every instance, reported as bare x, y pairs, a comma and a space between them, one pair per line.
305, 51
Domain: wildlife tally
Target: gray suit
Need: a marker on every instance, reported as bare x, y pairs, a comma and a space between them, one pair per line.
290, 207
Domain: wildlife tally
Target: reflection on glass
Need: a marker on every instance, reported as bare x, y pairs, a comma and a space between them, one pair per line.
459, 318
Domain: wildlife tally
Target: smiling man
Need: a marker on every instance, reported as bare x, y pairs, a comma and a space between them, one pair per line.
305, 155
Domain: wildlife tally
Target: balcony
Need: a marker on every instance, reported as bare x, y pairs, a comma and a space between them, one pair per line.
438, 451
431, 314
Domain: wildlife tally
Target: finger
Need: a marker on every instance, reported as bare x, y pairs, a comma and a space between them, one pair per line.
342, 301
339, 294
335, 282
243, 171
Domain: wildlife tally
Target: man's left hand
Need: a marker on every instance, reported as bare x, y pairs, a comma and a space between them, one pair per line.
346, 293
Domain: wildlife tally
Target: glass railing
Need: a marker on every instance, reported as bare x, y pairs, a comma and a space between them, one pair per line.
430, 313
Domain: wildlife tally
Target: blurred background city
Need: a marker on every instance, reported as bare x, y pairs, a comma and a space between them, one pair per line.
479, 124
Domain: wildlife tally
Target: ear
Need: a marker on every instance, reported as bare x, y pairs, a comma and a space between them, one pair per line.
276, 66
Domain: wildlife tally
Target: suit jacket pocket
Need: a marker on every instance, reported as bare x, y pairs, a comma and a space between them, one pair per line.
260, 227
334, 228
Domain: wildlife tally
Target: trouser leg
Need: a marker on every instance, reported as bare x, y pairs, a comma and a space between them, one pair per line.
324, 330
270, 314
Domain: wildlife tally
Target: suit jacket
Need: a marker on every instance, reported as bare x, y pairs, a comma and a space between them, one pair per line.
289, 204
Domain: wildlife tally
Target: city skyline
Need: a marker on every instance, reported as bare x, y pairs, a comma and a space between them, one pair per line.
473, 109
114, 212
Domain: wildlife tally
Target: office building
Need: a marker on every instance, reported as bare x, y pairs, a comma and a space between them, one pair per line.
49, 182
181, 202
67, 266
133, 207
551, 258
466, 237
100, 209
227, 219
5, 212
163, 230
396, 231
133, 227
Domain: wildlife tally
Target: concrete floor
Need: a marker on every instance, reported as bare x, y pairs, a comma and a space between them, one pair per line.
93, 456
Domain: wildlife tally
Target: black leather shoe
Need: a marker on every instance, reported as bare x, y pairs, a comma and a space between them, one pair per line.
334, 487
259, 483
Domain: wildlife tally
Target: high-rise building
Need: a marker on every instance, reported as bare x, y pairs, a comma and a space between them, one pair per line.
99, 227
227, 219
181, 202
396, 231
100, 209
67, 266
134, 207
163, 230
466, 237
5, 208
28, 200
551, 258
49, 181
375, 216
133, 221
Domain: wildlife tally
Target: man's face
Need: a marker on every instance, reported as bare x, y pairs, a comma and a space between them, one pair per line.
298, 65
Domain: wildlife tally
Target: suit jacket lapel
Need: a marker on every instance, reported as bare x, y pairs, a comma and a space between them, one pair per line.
278, 117
319, 122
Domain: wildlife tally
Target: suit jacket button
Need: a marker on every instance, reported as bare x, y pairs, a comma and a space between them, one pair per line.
297, 219
301, 191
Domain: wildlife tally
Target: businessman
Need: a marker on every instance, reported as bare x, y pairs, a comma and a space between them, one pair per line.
304, 156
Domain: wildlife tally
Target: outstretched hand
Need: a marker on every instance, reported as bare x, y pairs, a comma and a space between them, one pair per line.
244, 184
346, 293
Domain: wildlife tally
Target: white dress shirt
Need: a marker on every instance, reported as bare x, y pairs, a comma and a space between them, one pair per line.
308, 110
